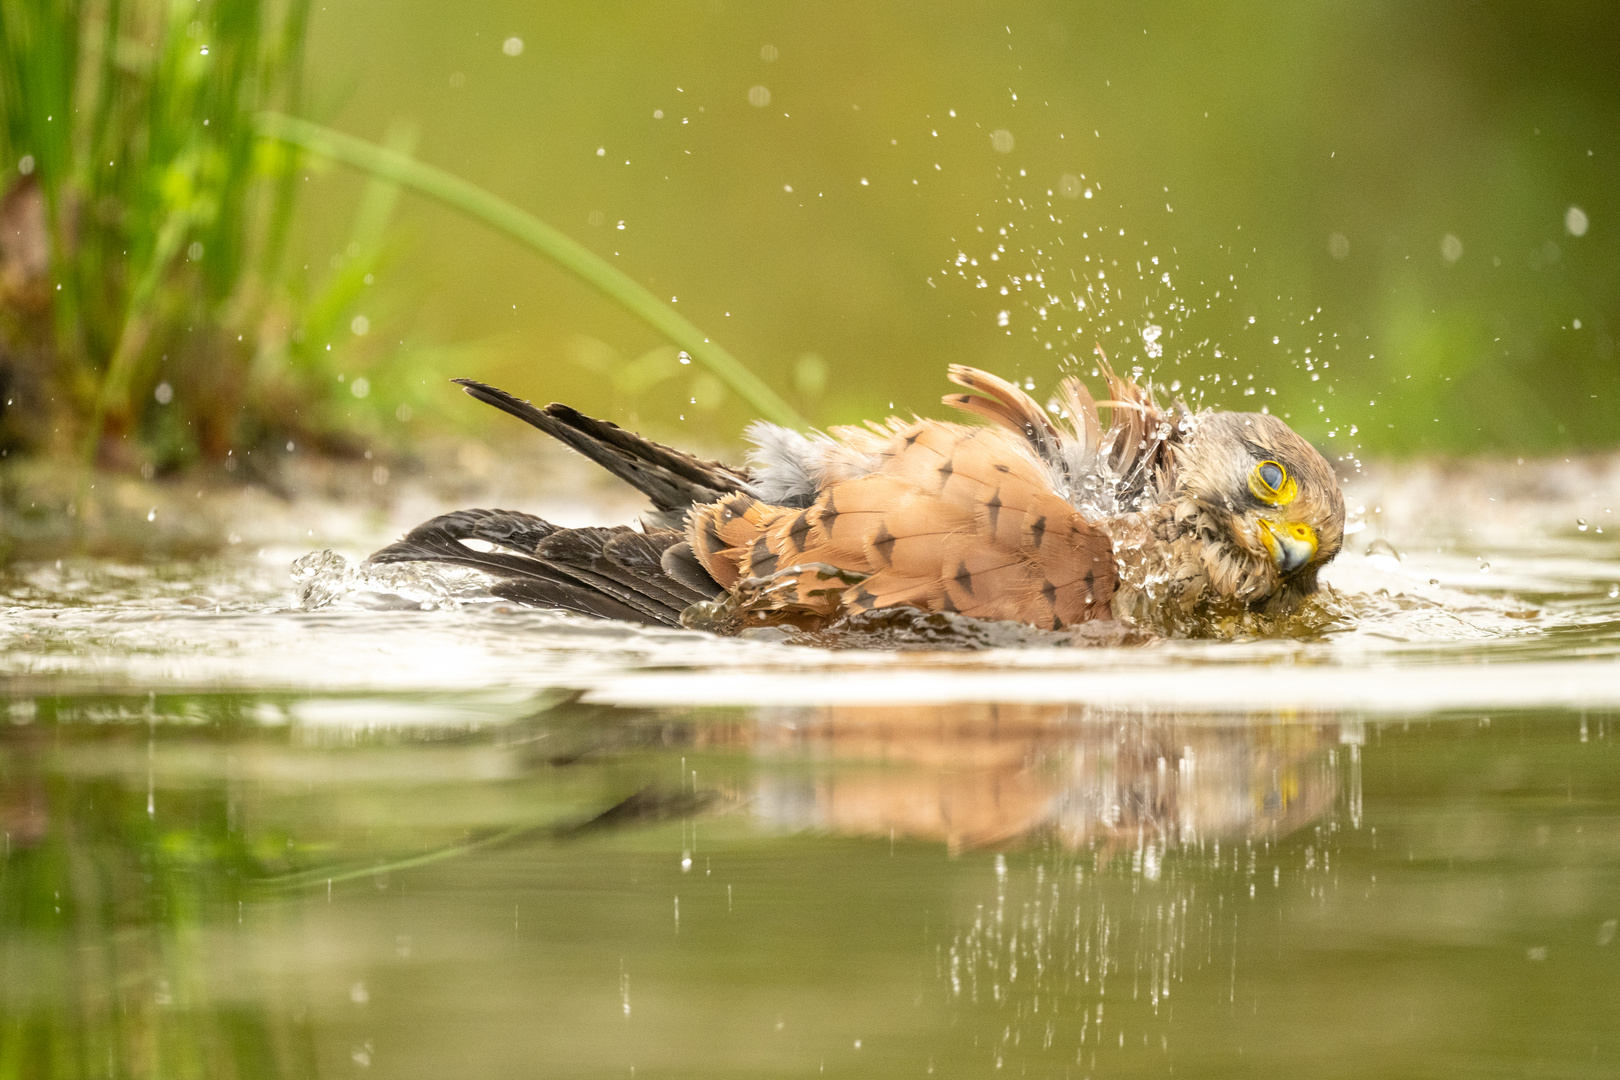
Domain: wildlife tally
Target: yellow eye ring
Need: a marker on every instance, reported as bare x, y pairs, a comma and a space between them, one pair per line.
1270, 483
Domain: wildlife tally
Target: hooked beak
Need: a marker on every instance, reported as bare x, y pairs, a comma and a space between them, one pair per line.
1291, 544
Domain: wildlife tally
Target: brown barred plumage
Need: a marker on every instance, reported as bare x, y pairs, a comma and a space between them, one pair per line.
1030, 519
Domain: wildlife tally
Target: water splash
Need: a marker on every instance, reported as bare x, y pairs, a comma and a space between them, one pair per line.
325, 578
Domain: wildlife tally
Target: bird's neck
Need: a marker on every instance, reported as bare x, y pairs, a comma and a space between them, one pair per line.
1170, 569
1152, 557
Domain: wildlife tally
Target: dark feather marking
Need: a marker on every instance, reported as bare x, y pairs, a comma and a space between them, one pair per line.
964, 577
737, 505
800, 532
761, 559
712, 542
1037, 530
829, 515
884, 543
865, 600
1002, 469
1049, 591
945, 603
993, 508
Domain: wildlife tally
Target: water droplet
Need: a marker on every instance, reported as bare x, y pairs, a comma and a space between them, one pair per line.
1383, 554
1580, 524
360, 387
360, 325
163, 393
1001, 140
1575, 221
759, 96
151, 515
1451, 248
1614, 591
512, 46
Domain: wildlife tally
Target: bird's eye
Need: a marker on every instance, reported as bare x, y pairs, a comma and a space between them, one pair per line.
1270, 483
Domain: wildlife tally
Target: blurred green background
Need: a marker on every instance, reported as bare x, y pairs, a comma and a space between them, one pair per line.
1391, 223
1233, 142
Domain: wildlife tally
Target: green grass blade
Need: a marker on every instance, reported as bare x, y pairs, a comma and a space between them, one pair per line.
564, 251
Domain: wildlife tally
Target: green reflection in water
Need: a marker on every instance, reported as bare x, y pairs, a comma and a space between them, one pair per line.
237, 885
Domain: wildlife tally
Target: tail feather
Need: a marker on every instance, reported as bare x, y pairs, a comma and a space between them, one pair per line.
673, 480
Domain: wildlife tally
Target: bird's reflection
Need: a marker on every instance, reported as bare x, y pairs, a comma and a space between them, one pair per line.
985, 775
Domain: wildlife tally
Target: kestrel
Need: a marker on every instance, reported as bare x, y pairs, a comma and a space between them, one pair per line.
1041, 516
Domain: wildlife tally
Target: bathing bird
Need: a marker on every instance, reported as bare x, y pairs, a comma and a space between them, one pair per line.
1037, 515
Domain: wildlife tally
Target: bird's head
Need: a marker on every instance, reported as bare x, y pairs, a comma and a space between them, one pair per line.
1263, 504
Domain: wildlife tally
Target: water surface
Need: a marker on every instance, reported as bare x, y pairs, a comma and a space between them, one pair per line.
374, 824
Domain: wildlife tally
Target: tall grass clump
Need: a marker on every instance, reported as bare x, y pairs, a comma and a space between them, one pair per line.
146, 316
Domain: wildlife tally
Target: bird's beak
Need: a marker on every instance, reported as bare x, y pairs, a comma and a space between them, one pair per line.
1292, 544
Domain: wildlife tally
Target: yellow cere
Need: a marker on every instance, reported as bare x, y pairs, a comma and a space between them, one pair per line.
1270, 483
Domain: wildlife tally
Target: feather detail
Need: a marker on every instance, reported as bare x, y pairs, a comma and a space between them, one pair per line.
983, 521
952, 518
1076, 400
1004, 404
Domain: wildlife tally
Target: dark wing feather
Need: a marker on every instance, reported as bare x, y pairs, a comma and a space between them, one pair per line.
671, 479
440, 538
642, 555
614, 573
579, 554
681, 563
